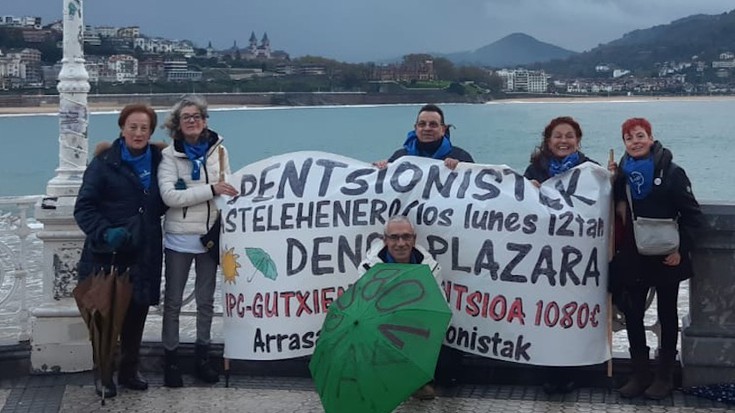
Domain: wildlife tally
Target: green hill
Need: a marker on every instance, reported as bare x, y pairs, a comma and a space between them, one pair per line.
700, 36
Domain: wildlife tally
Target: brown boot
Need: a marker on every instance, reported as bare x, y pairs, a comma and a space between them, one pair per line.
664, 382
641, 376
426, 392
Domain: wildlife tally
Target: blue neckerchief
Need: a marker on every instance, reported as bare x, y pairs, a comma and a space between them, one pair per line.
639, 173
411, 145
141, 164
557, 166
196, 153
389, 258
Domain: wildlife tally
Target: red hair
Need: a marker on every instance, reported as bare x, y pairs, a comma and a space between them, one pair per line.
631, 123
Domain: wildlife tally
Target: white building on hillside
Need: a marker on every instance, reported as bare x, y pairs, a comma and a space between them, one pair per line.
522, 80
123, 67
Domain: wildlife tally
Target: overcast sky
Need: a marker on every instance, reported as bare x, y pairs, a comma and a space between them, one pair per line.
363, 30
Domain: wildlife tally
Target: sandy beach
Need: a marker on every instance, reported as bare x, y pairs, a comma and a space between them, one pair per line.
110, 107
94, 108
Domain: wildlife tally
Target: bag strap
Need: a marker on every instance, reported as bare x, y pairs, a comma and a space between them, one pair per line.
630, 201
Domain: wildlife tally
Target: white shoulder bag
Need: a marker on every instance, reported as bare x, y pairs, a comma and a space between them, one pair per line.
654, 236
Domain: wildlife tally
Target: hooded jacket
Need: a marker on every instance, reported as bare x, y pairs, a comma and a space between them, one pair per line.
671, 197
377, 254
111, 195
191, 209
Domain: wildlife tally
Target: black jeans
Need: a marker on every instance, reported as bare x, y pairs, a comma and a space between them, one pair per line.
667, 294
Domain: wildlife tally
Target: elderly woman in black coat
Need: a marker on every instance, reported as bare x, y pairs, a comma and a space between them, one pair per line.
119, 208
649, 184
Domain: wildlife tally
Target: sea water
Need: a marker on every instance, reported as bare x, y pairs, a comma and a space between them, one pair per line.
698, 132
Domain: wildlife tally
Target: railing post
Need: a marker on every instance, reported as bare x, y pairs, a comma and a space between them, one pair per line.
708, 334
59, 337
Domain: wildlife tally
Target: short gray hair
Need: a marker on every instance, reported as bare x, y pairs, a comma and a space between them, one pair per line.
173, 120
398, 218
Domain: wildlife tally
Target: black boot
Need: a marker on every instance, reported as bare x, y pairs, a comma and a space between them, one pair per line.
641, 377
205, 371
130, 338
664, 382
171, 371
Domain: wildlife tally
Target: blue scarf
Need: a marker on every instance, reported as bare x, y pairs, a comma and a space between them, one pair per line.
196, 154
639, 173
557, 166
141, 164
412, 142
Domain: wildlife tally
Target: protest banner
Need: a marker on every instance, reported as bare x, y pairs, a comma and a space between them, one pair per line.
524, 268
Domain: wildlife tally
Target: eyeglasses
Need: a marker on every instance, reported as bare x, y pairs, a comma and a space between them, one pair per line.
191, 118
433, 124
403, 237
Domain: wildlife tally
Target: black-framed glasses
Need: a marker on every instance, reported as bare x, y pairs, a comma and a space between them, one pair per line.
403, 237
432, 124
191, 118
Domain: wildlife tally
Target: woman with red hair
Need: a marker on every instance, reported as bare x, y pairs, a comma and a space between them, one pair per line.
649, 184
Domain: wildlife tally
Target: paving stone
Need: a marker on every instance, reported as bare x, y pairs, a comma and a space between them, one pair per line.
4, 393
74, 393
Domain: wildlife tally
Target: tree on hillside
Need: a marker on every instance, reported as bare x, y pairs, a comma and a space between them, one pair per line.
444, 69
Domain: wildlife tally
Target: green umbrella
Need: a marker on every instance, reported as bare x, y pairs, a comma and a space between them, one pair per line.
262, 262
380, 340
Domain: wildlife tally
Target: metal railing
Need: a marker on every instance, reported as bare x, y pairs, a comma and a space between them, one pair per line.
14, 236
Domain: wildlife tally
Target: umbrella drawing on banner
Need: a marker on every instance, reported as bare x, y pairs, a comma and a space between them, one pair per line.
262, 262
380, 340
103, 301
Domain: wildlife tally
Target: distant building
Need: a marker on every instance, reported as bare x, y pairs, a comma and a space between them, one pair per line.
26, 21
522, 80
123, 67
406, 72
129, 32
255, 51
151, 68
177, 70
37, 35
723, 64
153, 45
22, 67
304, 70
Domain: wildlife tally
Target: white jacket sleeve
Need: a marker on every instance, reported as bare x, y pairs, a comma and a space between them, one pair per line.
178, 198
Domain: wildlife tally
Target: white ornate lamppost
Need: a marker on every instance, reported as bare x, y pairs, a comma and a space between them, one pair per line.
59, 337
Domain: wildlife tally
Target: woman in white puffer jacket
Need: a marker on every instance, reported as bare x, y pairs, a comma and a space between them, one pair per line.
189, 180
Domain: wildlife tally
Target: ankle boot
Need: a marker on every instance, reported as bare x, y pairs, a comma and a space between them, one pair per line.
641, 376
132, 381
171, 371
204, 369
663, 384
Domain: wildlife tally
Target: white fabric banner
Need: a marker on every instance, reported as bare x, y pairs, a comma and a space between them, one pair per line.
525, 269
